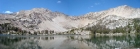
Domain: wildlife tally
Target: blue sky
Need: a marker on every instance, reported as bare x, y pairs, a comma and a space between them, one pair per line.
69, 7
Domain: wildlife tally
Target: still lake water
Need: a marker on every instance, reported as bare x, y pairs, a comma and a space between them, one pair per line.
70, 42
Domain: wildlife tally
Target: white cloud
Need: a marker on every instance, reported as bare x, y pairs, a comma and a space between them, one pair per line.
97, 3
58, 1
8, 12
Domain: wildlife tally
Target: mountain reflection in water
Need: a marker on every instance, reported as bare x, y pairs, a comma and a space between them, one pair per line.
70, 42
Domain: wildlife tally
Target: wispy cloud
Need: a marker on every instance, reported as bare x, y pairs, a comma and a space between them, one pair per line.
8, 12
91, 6
58, 1
97, 3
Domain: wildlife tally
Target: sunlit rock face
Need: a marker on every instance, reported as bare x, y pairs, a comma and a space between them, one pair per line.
39, 19
113, 21
114, 17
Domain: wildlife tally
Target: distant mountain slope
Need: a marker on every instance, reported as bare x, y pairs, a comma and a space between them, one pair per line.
40, 19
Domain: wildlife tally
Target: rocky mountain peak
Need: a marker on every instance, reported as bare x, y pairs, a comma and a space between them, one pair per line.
40, 10
124, 7
124, 11
34, 10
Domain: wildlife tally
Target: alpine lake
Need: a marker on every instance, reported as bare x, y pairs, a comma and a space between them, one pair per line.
128, 41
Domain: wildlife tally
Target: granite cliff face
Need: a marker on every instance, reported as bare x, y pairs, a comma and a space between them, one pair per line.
40, 19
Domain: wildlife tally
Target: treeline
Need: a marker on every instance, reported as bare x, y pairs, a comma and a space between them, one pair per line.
47, 32
104, 30
7, 28
133, 27
136, 22
98, 29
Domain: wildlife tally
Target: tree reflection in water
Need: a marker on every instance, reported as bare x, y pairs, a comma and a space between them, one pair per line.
70, 42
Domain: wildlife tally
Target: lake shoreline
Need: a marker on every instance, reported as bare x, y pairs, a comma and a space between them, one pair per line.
97, 34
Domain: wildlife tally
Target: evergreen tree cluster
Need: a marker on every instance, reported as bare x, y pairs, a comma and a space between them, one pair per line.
127, 29
7, 27
137, 24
